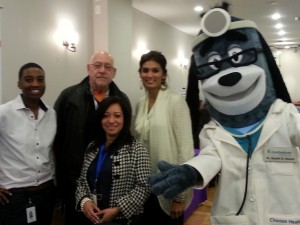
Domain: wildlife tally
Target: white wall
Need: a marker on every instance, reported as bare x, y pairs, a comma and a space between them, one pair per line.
289, 65
27, 35
120, 31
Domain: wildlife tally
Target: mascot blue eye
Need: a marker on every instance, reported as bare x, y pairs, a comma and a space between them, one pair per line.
214, 59
235, 57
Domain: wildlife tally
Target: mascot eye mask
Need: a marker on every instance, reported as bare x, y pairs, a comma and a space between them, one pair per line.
236, 58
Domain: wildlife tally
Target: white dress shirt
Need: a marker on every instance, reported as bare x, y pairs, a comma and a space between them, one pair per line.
26, 144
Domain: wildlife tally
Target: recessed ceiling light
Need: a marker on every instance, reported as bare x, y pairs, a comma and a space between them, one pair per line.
198, 8
276, 16
278, 25
272, 2
297, 18
281, 32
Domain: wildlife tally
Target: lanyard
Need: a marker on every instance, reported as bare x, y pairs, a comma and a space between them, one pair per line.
100, 162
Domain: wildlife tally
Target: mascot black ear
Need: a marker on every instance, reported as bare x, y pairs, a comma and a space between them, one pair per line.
278, 82
193, 101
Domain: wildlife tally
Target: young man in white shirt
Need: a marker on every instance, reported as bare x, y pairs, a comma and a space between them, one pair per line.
27, 130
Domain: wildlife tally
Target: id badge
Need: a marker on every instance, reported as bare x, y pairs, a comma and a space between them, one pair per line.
94, 198
31, 214
280, 154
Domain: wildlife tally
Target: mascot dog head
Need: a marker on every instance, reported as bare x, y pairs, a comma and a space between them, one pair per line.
239, 76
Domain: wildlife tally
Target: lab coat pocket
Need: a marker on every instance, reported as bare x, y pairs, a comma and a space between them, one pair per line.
279, 168
229, 220
281, 160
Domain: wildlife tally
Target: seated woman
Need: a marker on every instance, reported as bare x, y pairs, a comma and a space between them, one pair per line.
112, 186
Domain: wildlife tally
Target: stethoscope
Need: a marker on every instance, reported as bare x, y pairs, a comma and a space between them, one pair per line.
247, 174
248, 157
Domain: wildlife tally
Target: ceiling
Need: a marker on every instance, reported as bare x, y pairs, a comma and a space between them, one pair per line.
180, 14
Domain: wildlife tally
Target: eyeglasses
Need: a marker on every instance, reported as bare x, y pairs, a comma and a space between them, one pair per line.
107, 67
243, 58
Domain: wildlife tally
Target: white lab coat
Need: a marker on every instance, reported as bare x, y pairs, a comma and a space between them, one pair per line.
273, 195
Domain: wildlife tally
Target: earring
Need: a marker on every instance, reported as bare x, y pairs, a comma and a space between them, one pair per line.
141, 85
164, 84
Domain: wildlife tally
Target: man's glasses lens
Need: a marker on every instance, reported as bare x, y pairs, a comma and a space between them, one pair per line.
107, 67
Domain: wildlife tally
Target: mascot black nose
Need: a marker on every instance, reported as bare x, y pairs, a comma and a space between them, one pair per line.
230, 79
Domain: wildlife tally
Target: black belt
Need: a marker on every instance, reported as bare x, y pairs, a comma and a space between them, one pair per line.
47, 184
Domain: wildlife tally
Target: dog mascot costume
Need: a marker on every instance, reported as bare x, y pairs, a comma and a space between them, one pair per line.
253, 137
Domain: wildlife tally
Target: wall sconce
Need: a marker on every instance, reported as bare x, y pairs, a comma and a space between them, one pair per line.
183, 63
67, 36
70, 46
70, 40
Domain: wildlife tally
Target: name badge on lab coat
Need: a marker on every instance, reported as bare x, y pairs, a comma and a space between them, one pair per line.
280, 154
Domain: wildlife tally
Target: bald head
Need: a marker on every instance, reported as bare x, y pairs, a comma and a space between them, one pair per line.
102, 54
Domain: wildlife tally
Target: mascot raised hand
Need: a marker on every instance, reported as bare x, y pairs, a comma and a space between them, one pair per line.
253, 137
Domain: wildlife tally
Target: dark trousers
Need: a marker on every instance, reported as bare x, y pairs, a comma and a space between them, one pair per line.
73, 216
153, 214
14, 212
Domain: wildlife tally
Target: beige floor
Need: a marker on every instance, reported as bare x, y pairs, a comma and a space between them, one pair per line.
201, 215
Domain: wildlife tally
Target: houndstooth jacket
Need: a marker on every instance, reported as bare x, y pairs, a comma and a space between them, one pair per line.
130, 170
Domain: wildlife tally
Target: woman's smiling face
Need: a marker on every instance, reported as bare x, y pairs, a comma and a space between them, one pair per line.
113, 121
152, 75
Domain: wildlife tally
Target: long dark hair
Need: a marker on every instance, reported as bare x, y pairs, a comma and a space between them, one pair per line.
125, 136
156, 57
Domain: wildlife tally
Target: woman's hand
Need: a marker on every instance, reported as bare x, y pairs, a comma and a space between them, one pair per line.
92, 212
109, 214
177, 209
4, 196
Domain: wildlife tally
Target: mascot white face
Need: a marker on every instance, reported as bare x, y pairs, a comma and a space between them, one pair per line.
245, 91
